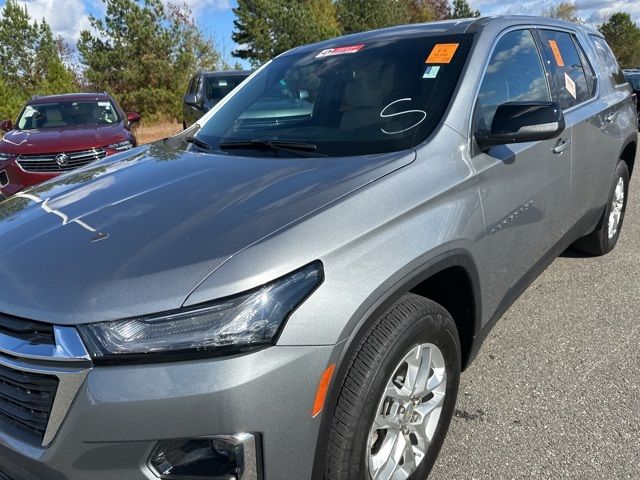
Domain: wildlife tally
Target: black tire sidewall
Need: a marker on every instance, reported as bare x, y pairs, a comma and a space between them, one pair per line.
621, 171
427, 327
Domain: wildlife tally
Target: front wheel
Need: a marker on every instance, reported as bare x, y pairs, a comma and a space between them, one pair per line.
398, 396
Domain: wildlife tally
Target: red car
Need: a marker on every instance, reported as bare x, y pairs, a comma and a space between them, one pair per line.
58, 133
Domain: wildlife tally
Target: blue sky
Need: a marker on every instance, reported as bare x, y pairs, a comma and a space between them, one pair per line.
69, 17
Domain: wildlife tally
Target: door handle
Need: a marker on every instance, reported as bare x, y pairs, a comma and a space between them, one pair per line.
610, 117
561, 146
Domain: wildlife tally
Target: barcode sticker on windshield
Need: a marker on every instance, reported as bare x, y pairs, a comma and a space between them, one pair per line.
104, 104
431, 72
329, 52
442, 53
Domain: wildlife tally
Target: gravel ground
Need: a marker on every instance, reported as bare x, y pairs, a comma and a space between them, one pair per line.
555, 390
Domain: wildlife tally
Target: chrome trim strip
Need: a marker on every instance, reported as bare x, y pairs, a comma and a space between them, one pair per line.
68, 347
68, 386
46, 163
250, 454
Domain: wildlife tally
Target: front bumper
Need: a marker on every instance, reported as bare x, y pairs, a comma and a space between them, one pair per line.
13, 178
120, 412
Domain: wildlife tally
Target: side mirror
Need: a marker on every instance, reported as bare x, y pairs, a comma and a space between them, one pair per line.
191, 99
133, 117
519, 122
6, 125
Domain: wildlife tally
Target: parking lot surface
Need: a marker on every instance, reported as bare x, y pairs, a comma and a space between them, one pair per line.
555, 390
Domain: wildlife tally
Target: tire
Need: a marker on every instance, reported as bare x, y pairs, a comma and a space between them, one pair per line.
605, 237
408, 327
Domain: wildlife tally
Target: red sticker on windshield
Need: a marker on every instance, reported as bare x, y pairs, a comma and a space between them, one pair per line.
329, 52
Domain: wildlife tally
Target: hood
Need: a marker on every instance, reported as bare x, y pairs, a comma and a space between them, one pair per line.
135, 233
64, 139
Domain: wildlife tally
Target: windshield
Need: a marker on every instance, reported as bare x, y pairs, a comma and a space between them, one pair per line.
68, 113
359, 99
218, 87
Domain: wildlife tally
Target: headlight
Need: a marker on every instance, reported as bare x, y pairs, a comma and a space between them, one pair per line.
6, 156
126, 145
249, 320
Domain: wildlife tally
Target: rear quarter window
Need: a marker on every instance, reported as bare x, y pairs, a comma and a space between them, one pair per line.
607, 60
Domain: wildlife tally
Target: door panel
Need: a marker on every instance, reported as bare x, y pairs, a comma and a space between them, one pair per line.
524, 187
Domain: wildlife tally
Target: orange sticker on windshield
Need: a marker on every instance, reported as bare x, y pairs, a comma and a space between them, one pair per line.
442, 53
556, 53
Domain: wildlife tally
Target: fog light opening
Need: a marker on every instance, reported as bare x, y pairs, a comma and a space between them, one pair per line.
220, 457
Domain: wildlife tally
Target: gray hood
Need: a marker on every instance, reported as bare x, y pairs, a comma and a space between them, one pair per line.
135, 233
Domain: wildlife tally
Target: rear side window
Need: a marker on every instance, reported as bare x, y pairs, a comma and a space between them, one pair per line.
514, 74
608, 60
567, 68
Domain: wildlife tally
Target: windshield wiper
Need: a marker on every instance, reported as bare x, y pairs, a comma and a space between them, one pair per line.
299, 148
199, 143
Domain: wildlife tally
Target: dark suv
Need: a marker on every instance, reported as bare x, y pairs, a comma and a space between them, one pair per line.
206, 89
58, 133
633, 77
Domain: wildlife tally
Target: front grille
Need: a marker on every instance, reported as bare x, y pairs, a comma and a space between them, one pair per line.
46, 163
42, 366
27, 330
26, 400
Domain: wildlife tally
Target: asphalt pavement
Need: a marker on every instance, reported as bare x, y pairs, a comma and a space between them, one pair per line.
555, 391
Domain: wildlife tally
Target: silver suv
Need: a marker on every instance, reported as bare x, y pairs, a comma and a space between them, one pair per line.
291, 288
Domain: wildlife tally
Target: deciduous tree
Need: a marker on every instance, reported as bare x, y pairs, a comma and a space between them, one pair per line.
428, 10
564, 10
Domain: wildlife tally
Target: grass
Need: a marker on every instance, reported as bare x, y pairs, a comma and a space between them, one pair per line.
156, 131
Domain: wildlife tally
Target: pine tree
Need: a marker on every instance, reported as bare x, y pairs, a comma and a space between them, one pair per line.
462, 9
361, 15
266, 28
145, 55
623, 36
31, 62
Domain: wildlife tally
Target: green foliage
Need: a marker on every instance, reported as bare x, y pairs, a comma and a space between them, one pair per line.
30, 59
266, 28
12, 99
623, 36
462, 9
145, 54
360, 15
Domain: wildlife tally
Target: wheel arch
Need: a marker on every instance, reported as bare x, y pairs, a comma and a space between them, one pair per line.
629, 152
435, 278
